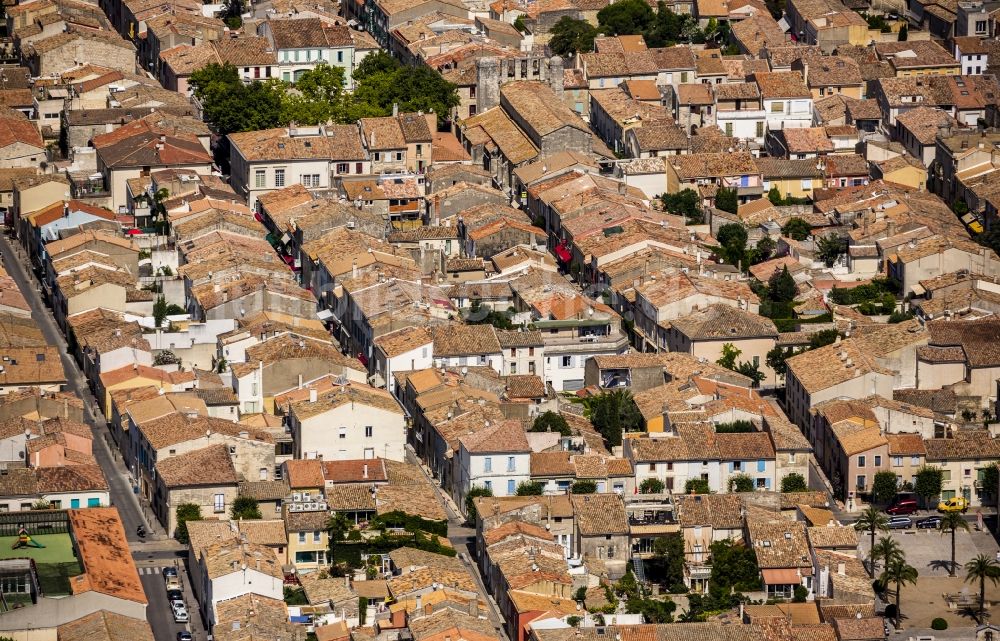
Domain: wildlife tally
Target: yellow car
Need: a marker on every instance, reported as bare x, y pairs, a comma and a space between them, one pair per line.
954, 504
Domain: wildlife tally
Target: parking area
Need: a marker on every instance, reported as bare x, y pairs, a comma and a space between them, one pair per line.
930, 551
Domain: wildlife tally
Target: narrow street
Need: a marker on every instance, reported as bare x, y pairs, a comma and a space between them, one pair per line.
463, 539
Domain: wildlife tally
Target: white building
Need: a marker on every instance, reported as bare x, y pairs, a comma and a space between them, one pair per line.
231, 569
407, 349
301, 44
351, 421
788, 103
497, 458
971, 54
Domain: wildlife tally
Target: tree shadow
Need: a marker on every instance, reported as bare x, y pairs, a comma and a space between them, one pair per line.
942, 564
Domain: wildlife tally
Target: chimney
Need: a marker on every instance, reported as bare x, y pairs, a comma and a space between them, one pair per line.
364, 473
354, 264
556, 76
395, 109
420, 602
312, 394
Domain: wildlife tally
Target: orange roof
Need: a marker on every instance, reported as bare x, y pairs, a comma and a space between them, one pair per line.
54, 212
130, 372
104, 554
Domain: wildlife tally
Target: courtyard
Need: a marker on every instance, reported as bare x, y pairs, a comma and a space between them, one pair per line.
929, 551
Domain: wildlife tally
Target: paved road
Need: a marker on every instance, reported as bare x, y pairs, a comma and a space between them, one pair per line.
158, 614
121, 492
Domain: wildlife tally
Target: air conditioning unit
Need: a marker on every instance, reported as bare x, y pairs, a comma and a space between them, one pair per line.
307, 496
296, 497
312, 506
294, 507
322, 505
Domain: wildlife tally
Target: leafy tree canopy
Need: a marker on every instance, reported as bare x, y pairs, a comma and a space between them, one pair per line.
684, 203
245, 507
530, 488
570, 36
625, 17
796, 229
550, 421
794, 482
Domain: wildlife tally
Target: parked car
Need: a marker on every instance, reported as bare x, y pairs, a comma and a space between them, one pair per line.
175, 596
930, 523
902, 506
184, 635
169, 571
954, 504
900, 523
180, 612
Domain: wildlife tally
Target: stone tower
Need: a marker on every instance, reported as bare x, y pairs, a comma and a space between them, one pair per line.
556, 78
487, 83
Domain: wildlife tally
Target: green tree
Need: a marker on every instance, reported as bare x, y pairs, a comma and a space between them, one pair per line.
625, 17
381, 83
613, 412
696, 486
871, 521
830, 248
669, 28
885, 549
823, 337
570, 36
884, 487
776, 358
186, 512
583, 486
729, 355
159, 311
898, 572
741, 483
519, 24
549, 421
733, 240
794, 482
667, 562
245, 507
470, 505
928, 483
337, 527
530, 488
651, 486
734, 567
725, 198
991, 480
796, 229
752, 371
781, 286
774, 195
229, 105
952, 522
764, 249
685, 203
979, 570
735, 427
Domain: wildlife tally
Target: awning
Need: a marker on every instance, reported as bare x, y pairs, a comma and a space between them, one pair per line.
563, 254
324, 314
781, 577
918, 289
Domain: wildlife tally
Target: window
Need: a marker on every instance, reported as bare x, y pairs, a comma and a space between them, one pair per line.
315, 536
220, 503
510, 464
73, 503
358, 168
729, 129
967, 472
761, 465
862, 480
420, 151
567, 361
761, 483
260, 179
510, 487
684, 76
878, 461
980, 26
279, 177
340, 56
310, 180
399, 156
897, 461
378, 156
760, 129
302, 537
343, 168
488, 464
369, 431
861, 461
807, 183
488, 485
777, 107
737, 466
342, 432
945, 475
914, 460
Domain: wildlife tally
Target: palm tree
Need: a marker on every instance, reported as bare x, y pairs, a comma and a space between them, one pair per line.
871, 520
886, 549
952, 522
979, 569
899, 572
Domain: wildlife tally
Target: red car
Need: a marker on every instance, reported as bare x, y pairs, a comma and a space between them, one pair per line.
902, 506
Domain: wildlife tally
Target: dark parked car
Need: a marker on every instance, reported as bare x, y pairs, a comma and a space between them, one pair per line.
184, 636
902, 506
900, 523
175, 595
930, 523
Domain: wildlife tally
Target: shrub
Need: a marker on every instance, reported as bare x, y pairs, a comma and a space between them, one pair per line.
939, 624
651, 486
583, 487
